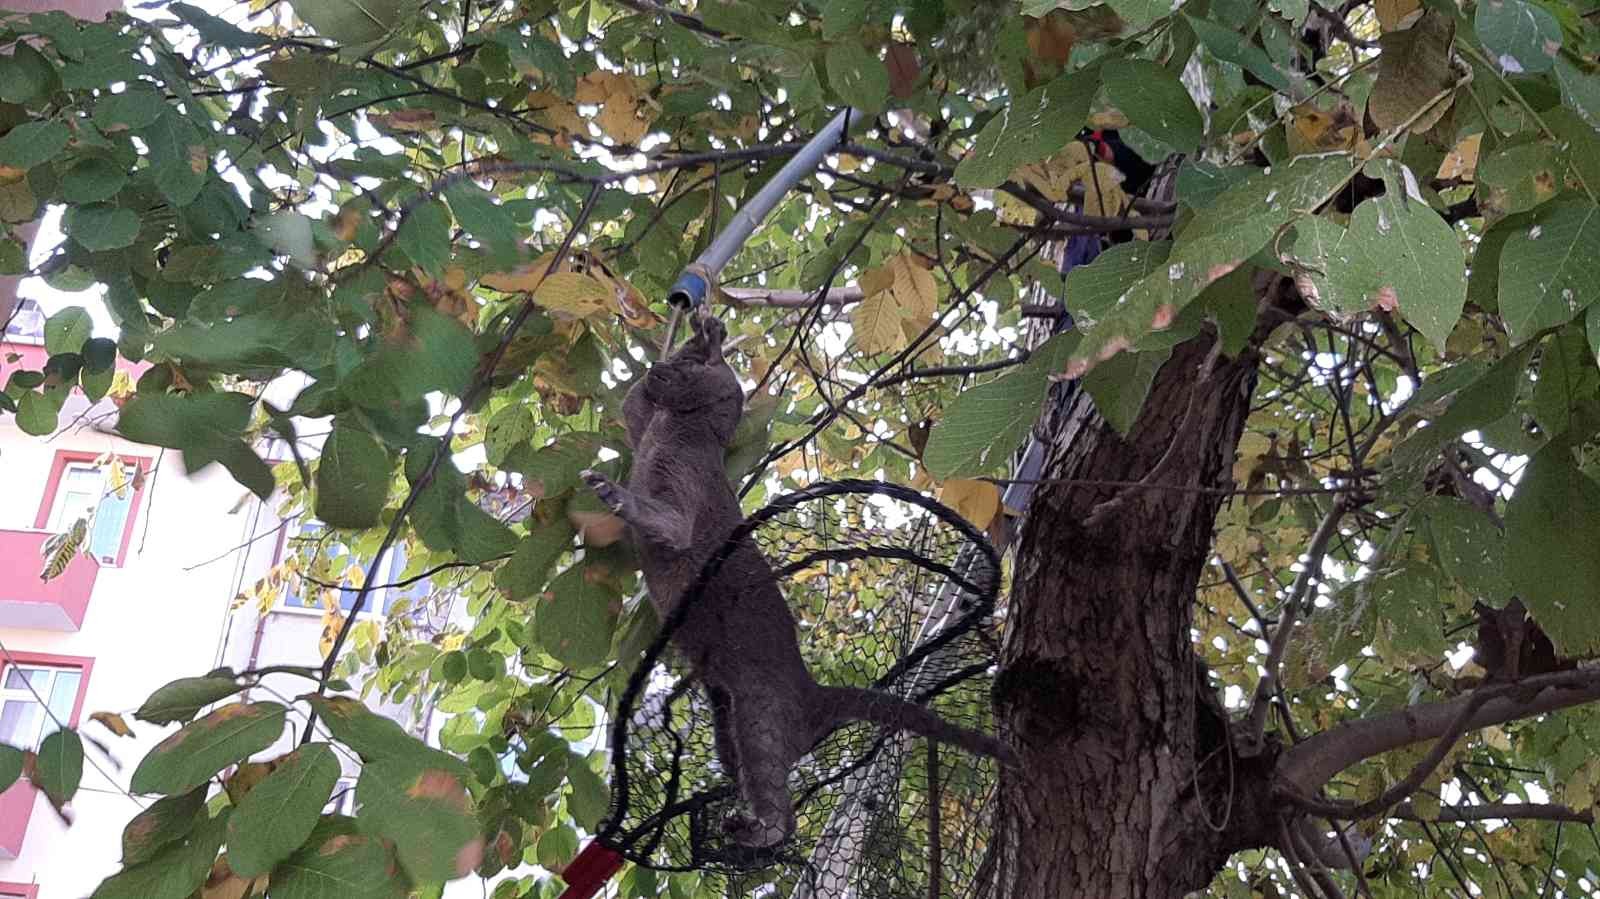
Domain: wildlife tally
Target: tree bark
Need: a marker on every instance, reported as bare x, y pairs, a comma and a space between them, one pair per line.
1127, 781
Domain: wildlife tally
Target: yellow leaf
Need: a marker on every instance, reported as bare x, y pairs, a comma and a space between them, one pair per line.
570, 293
976, 501
1314, 130
112, 722
1102, 188
1397, 15
11, 174
876, 321
1462, 160
405, 120
914, 288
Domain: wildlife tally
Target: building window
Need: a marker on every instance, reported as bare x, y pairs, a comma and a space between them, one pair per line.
313, 541
33, 698
79, 487
27, 323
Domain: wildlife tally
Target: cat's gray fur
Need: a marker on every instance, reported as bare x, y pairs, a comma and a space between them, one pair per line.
739, 634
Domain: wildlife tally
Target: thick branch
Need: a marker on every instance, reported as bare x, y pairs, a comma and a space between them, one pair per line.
1304, 768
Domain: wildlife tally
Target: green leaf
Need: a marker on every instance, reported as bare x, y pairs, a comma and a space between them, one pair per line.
1468, 546
207, 427
176, 872
1220, 238
289, 234
1229, 45
33, 143
1093, 289
60, 766
1397, 254
351, 21
36, 414
1550, 271
1028, 130
1523, 37
202, 748
167, 819
858, 76
66, 331
556, 847
438, 354
352, 478
1155, 101
425, 236
183, 698
575, 620
336, 864
528, 569
101, 227
277, 815
135, 108
985, 424
26, 76
11, 759
178, 157
13, 258
590, 799
508, 429
552, 470
93, 180
425, 812
1517, 178
1552, 528
843, 18
1120, 385
374, 737
493, 225
1567, 380
214, 31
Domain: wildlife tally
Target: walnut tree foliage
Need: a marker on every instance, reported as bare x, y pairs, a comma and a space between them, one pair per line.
449, 227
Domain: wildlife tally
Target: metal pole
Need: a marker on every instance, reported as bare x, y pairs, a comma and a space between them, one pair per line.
694, 283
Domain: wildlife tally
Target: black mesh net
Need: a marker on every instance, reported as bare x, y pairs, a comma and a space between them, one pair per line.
891, 591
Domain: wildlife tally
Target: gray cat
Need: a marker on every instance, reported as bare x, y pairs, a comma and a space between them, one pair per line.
739, 635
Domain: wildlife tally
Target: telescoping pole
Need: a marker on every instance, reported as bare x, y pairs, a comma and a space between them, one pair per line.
695, 282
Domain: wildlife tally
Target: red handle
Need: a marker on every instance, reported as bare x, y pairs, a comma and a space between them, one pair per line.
589, 871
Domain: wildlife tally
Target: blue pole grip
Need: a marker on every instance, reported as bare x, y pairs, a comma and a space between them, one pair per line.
689, 291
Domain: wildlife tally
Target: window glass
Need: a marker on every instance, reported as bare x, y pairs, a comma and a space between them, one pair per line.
24, 720
84, 490
27, 323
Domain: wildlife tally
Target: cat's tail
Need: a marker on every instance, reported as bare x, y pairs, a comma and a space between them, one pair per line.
842, 705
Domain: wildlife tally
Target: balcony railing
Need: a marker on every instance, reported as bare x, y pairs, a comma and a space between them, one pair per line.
58, 604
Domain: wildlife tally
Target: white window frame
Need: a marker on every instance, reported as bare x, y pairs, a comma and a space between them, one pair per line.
47, 721
57, 523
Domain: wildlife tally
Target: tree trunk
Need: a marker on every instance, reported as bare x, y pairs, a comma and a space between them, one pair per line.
1125, 779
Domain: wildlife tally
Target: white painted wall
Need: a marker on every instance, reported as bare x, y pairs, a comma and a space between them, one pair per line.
156, 618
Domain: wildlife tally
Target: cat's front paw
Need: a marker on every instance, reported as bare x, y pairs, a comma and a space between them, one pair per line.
609, 493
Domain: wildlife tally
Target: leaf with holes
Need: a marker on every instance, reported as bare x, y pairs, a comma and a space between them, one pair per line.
1550, 270
1397, 255
1523, 37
